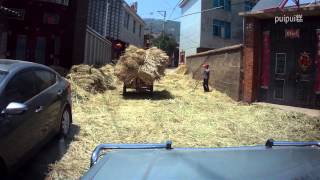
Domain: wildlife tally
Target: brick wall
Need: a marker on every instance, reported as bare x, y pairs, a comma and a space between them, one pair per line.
225, 64
250, 60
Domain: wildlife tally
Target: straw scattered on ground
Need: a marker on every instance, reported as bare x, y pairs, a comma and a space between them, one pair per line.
175, 112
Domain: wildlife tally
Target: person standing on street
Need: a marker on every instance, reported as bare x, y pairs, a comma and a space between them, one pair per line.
206, 77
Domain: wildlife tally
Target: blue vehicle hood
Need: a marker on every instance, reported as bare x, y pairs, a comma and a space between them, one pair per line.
245, 163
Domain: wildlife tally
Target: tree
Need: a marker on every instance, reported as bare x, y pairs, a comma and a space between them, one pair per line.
166, 43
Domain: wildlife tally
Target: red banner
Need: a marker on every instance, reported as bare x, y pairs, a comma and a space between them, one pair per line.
265, 62
317, 62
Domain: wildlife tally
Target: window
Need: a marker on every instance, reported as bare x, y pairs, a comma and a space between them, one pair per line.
227, 30
134, 26
21, 46
248, 5
222, 29
126, 20
44, 79
226, 4
21, 88
216, 28
49, 18
281, 62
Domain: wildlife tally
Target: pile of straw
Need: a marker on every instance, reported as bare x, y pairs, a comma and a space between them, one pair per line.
182, 69
90, 79
147, 65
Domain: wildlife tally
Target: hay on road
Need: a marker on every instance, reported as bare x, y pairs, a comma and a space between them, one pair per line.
86, 81
190, 119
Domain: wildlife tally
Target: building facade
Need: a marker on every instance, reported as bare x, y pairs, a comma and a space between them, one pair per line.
118, 22
281, 61
131, 26
97, 16
213, 28
45, 32
50, 32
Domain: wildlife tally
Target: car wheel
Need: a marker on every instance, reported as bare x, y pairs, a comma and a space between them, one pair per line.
65, 122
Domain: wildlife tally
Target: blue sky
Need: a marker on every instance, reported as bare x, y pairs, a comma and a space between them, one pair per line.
149, 8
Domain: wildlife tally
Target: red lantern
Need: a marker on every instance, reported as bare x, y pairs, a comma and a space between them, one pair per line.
118, 45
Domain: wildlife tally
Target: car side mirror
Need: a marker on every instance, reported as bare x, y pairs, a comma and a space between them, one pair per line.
15, 109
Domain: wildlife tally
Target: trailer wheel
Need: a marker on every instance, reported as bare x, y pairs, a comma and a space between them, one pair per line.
151, 90
124, 90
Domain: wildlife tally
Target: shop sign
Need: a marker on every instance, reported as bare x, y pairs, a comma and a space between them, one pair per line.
292, 33
305, 61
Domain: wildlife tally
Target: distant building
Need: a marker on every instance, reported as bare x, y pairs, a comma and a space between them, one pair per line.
155, 27
118, 22
214, 28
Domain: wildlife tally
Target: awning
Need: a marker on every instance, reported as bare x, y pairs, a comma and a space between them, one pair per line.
305, 10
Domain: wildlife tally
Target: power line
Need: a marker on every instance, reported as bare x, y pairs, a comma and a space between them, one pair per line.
175, 7
206, 10
199, 12
169, 5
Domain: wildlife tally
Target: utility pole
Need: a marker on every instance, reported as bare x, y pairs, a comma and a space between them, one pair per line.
164, 15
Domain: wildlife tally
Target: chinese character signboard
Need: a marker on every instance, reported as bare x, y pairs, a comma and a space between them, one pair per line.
292, 33
317, 61
265, 65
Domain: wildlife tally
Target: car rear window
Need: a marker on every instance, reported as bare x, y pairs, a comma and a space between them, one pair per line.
2, 75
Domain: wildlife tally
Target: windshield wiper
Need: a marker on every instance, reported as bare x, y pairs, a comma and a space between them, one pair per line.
270, 143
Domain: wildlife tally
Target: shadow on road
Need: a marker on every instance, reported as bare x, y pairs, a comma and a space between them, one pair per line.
38, 167
157, 95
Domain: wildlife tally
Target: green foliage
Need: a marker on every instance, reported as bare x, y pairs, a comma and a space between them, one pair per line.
166, 43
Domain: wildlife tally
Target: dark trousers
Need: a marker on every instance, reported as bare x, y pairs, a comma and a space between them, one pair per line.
206, 85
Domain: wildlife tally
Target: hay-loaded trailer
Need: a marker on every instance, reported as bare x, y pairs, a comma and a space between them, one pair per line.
139, 85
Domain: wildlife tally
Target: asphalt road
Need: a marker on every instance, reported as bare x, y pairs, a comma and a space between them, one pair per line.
37, 167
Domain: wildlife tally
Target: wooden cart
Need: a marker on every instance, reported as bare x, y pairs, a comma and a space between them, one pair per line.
139, 85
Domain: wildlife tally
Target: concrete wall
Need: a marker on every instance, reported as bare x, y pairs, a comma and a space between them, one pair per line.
97, 49
126, 34
190, 27
225, 65
213, 42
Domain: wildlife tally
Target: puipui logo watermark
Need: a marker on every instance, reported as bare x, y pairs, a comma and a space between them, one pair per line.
298, 18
